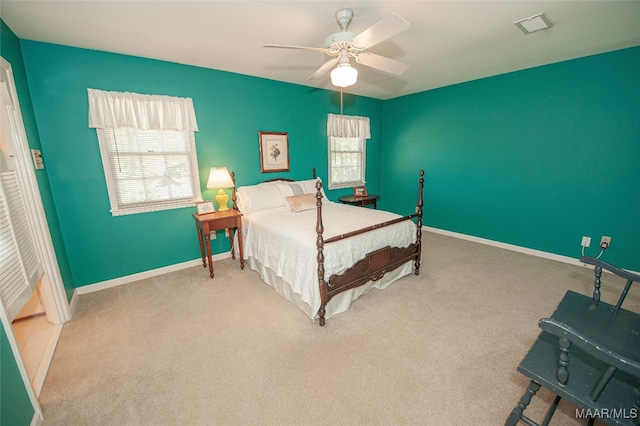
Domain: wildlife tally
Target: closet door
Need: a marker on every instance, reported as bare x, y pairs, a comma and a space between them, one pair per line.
19, 261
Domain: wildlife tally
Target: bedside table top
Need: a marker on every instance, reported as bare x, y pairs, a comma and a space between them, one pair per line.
216, 215
357, 199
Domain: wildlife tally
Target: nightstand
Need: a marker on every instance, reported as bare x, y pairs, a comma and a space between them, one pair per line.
205, 223
360, 200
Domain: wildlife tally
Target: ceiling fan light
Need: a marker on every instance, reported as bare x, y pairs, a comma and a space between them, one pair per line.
344, 75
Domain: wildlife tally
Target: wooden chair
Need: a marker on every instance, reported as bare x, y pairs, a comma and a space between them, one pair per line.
589, 354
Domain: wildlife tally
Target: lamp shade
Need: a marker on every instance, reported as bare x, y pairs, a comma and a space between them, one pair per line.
219, 178
344, 75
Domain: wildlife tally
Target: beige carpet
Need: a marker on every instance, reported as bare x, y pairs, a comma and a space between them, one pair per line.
438, 349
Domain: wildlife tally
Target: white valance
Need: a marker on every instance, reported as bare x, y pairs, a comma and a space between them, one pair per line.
112, 110
348, 126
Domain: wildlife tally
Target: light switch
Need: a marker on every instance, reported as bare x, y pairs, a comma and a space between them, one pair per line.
37, 159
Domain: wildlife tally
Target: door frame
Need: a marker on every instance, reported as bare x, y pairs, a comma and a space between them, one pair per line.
54, 296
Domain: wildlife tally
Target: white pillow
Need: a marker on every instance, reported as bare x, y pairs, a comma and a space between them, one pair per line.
254, 198
302, 187
285, 190
271, 195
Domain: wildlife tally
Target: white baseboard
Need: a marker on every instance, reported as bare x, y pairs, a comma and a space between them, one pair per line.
519, 249
47, 357
142, 275
197, 262
73, 302
36, 420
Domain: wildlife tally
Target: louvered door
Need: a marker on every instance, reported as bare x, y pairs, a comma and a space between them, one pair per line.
20, 265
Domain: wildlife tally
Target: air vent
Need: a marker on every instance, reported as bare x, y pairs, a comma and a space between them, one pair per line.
534, 23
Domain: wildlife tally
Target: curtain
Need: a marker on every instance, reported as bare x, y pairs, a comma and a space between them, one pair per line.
112, 110
348, 126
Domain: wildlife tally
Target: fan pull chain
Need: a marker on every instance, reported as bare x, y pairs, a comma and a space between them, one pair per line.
341, 101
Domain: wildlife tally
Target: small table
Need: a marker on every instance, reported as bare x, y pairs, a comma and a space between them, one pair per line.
361, 200
205, 223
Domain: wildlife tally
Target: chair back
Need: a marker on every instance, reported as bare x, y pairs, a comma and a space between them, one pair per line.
600, 265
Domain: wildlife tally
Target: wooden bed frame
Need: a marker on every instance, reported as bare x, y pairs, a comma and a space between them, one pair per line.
374, 265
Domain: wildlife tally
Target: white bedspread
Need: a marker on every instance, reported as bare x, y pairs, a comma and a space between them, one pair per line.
285, 243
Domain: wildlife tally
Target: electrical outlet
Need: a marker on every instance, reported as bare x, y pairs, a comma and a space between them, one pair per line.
605, 242
226, 232
212, 235
586, 241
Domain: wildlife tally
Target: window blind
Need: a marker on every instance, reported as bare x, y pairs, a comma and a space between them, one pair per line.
148, 166
346, 157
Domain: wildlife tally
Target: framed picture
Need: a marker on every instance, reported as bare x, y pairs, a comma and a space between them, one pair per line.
274, 151
205, 207
360, 191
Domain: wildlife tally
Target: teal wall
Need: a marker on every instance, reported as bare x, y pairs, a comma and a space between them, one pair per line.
15, 406
231, 109
535, 158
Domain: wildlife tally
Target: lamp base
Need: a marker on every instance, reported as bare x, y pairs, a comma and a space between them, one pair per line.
222, 199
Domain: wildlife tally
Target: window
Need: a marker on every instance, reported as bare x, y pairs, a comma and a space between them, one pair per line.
149, 169
148, 150
347, 150
346, 162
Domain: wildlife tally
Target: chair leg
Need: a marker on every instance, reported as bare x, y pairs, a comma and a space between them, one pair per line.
551, 411
516, 414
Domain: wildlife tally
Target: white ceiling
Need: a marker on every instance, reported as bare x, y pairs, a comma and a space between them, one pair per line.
449, 41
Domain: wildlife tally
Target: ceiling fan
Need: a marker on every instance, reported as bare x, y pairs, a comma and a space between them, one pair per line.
344, 45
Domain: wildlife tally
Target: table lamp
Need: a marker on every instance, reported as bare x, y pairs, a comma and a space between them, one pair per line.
219, 178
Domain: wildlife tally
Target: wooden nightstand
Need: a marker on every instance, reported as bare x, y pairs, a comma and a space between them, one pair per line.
360, 201
205, 223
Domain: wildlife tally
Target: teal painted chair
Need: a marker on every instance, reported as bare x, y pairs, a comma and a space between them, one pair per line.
588, 353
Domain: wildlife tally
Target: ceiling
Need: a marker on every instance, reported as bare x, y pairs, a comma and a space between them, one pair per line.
448, 42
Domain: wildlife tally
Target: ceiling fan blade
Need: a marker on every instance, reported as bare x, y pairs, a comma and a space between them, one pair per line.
324, 68
380, 31
382, 63
284, 46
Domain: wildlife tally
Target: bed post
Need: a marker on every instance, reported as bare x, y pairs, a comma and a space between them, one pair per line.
320, 258
419, 223
233, 191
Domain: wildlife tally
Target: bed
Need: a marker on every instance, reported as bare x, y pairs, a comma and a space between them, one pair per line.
321, 255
